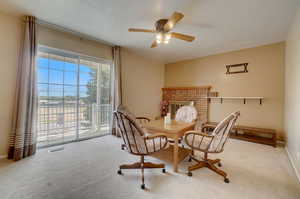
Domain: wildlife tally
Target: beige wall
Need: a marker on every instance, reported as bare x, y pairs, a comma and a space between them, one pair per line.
292, 92
10, 34
265, 78
142, 81
66, 41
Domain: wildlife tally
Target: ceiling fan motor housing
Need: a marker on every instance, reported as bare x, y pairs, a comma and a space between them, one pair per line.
159, 25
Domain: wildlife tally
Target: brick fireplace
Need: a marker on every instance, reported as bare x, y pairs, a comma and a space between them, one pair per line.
197, 95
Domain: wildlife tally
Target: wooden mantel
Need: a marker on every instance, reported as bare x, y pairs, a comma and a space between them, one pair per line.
186, 88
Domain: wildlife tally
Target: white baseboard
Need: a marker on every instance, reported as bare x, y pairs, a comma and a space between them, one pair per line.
3, 157
292, 163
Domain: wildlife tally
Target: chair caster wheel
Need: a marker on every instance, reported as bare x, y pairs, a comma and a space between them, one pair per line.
143, 186
119, 172
164, 170
226, 180
190, 174
219, 164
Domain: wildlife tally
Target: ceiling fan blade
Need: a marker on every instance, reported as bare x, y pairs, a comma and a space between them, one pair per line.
177, 16
154, 44
140, 30
182, 36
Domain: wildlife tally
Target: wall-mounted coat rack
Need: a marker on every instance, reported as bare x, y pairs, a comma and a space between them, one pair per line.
237, 98
237, 68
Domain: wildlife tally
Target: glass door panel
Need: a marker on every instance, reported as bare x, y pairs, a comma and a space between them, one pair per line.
74, 97
104, 99
88, 80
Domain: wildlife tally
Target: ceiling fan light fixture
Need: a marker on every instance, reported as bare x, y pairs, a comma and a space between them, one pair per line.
159, 36
163, 30
167, 36
163, 38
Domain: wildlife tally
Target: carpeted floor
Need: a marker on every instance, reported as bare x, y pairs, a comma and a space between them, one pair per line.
88, 170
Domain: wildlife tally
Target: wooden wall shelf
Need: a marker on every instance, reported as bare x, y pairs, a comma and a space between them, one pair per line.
260, 99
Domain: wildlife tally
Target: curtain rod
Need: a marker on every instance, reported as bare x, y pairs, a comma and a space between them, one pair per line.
67, 30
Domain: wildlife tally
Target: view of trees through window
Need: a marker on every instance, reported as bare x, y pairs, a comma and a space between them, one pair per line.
74, 97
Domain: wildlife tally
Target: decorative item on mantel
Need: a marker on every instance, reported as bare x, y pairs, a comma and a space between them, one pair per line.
167, 119
164, 108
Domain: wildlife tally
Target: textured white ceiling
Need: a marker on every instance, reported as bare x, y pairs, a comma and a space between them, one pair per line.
219, 25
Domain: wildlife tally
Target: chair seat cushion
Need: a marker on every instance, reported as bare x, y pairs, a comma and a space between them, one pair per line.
199, 142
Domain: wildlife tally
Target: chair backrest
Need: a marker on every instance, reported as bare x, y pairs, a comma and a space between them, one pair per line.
131, 131
222, 131
186, 114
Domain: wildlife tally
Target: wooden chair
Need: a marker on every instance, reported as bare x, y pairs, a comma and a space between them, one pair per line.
137, 143
141, 121
213, 143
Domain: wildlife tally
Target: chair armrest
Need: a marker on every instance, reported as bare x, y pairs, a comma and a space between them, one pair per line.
198, 133
158, 141
143, 118
155, 136
198, 140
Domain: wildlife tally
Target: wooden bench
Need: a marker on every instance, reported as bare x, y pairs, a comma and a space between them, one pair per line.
250, 134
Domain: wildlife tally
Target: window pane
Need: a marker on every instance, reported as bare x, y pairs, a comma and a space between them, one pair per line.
70, 64
87, 78
88, 94
56, 62
70, 78
56, 77
43, 91
84, 68
88, 66
55, 92
42, 75
42, 62
105, 84
70, 93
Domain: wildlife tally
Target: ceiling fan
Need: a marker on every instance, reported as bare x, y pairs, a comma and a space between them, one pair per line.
163, 28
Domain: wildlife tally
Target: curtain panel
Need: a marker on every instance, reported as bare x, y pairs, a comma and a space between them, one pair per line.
117, 88
23, 136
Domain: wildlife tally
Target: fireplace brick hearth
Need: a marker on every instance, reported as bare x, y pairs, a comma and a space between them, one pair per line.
196, 94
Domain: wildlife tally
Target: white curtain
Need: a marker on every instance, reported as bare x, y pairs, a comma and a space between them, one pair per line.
117, 88
23, 136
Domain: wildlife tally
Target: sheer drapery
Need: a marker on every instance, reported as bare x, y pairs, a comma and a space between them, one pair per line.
23, 136
117, 88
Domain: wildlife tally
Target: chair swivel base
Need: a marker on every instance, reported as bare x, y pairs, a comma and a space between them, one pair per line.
208, 163
142, 166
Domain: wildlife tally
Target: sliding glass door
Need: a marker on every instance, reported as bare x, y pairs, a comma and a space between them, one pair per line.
74, 97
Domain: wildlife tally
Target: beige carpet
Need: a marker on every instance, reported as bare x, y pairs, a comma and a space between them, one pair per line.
88, 170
